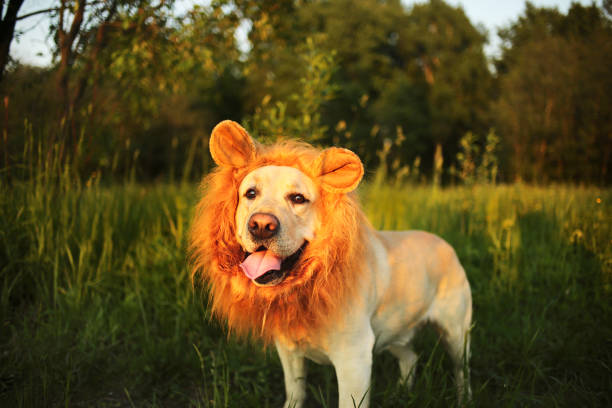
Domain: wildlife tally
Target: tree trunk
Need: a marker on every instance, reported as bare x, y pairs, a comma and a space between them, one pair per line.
7, 30
99, 44
65, 43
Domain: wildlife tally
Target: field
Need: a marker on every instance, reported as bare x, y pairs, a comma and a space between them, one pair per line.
98, 310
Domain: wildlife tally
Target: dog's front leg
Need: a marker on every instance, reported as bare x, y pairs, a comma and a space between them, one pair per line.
294, 370
353, 363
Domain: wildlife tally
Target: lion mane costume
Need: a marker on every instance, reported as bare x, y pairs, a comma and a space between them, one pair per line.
325, 274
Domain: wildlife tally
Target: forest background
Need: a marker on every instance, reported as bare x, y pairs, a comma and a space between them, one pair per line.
141, 87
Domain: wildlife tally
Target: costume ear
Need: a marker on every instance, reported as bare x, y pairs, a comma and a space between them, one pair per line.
231, 145
338, 170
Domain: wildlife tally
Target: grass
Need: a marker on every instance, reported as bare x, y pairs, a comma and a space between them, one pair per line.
97, 308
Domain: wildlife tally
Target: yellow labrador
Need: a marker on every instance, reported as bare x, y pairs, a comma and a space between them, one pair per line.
288, 255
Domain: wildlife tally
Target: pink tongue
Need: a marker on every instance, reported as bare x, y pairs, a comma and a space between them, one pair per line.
259, 263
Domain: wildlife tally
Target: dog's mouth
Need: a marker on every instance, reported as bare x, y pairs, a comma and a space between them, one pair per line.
266, 269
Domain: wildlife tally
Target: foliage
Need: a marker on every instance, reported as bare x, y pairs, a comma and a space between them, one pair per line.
275, 42
154, 88
555, 73
165, 87
394, 68
394, 170
146, 85
476, 163
448, 88
272, 121
421, 68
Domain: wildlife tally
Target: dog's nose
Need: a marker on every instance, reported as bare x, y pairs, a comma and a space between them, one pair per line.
263, 225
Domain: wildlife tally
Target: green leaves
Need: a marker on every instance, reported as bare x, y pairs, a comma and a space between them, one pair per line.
304, 117
554, 74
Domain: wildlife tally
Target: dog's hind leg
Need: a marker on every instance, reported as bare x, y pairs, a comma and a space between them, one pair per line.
454, 319
407, 359
458, 345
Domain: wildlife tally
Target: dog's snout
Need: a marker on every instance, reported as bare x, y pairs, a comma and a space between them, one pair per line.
263, 225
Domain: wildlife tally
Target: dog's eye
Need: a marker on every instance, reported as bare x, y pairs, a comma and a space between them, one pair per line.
297, 198
250, 194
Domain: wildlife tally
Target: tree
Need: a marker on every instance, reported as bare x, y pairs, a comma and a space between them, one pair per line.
82, 31
274, 38
360, 33
445, 86
420, 69
144, 88
555, 75
161, 82
7, 30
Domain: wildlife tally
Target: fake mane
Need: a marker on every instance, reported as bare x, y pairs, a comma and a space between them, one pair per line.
317, 288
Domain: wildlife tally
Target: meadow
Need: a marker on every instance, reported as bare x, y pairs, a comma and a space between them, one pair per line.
98, 309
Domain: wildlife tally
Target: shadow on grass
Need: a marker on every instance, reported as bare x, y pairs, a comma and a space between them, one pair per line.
541, 337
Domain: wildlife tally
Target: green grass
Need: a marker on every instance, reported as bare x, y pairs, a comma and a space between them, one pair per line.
97, 308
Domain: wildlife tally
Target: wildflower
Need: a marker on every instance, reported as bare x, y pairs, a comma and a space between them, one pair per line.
576, 236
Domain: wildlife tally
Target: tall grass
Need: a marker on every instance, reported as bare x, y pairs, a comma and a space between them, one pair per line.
97, 308
540, 264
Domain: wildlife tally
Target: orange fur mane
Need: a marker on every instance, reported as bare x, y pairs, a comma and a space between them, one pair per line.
313, 293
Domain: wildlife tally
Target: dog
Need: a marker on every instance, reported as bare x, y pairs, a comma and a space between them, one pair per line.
290, 258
